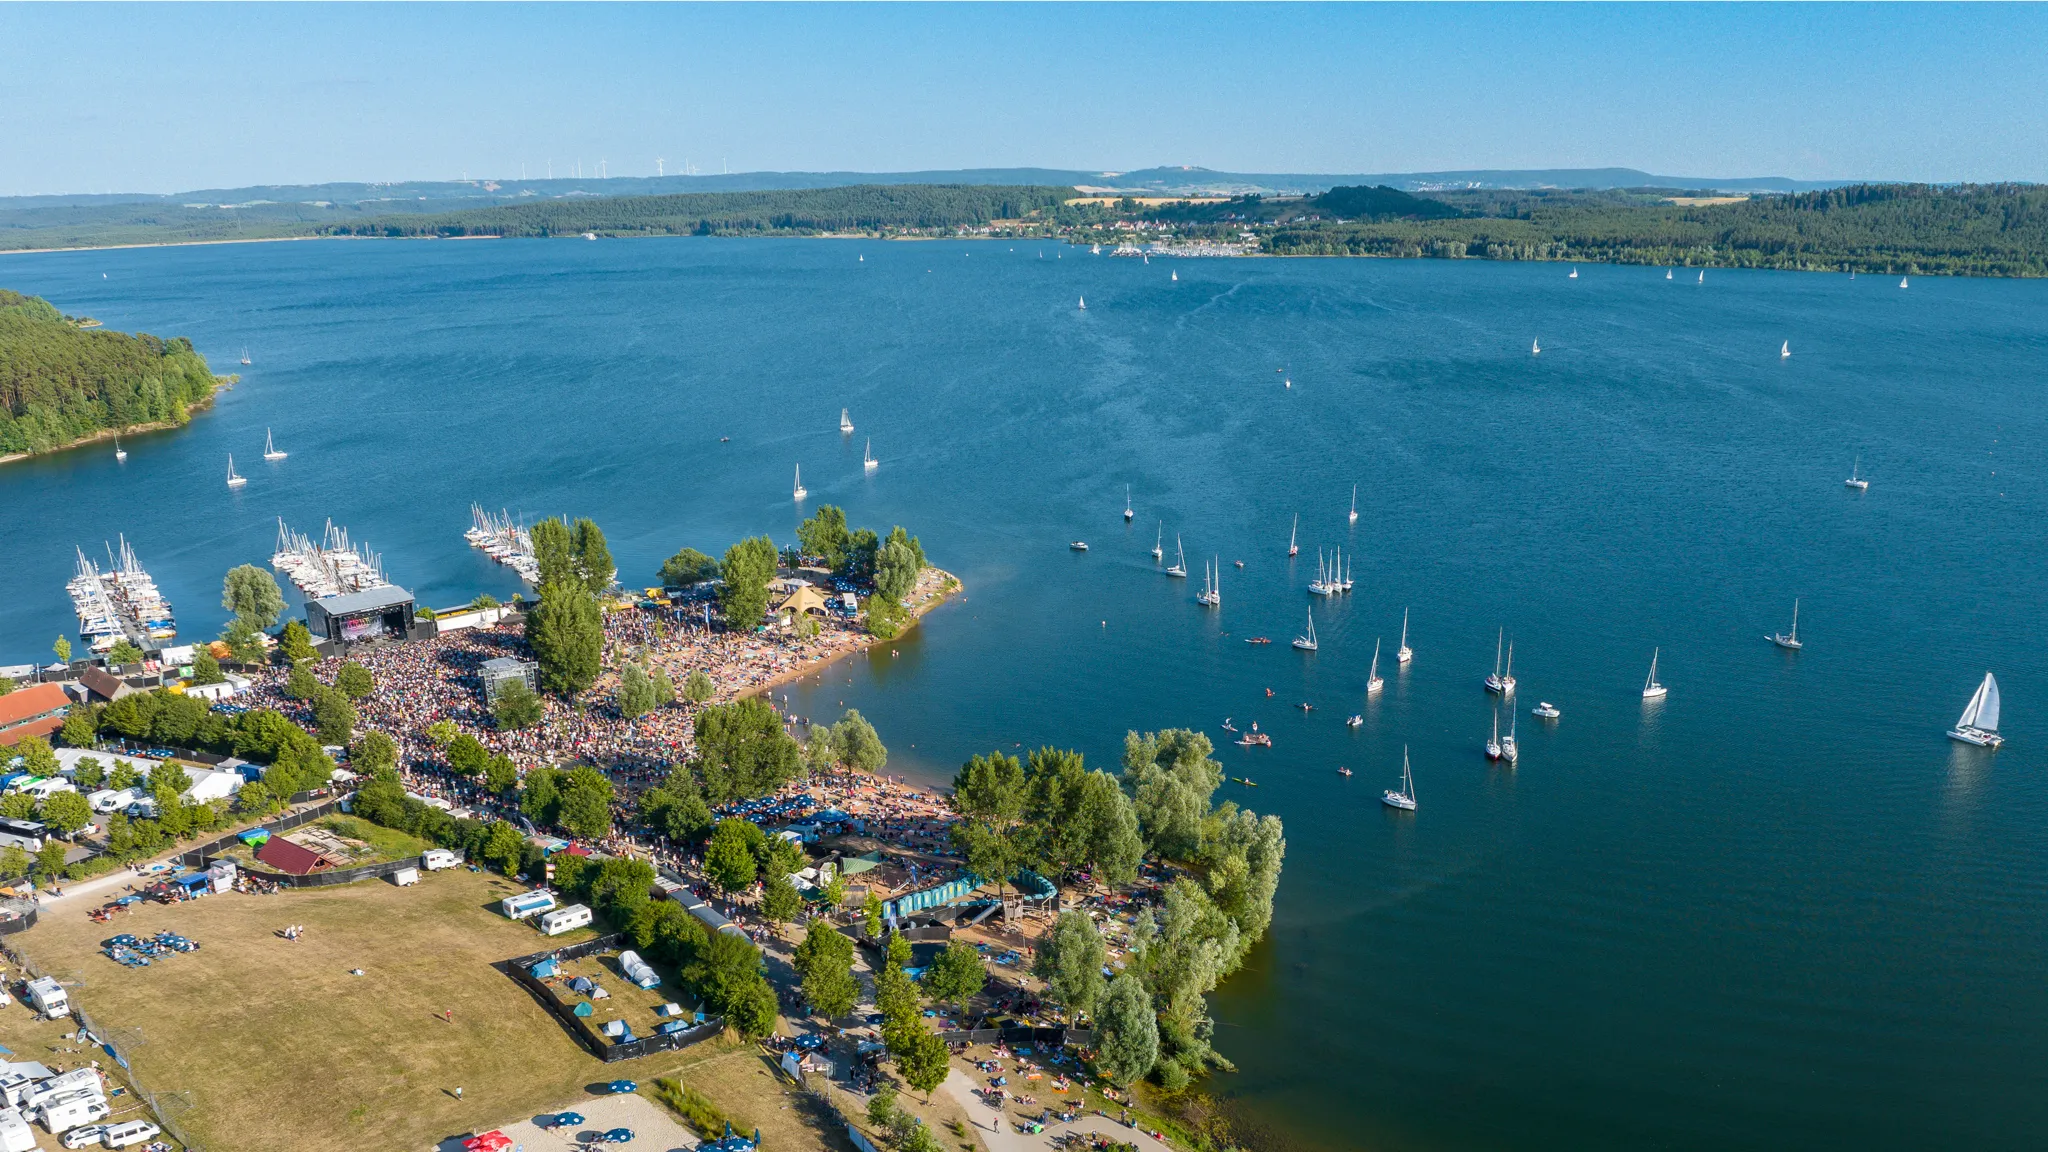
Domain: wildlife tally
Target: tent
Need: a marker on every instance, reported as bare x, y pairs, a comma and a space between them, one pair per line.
582, 984
805, 599
584, 1009
542, 969
255, 836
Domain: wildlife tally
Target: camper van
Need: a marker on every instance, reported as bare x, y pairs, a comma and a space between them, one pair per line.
59, 1087
64, 1115
435, 859
48, 997
15, 1134
527, 904
565, 919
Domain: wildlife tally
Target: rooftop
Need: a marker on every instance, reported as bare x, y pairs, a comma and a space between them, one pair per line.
368, 600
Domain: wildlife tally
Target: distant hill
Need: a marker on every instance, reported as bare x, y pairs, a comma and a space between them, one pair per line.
61, 384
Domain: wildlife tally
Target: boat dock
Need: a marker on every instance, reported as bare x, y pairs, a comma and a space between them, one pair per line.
504, 540
332, 567
120, 603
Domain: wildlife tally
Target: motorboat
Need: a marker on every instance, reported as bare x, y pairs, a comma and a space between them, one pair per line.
1356, 721
1344, 771
1079, 545
1545, 710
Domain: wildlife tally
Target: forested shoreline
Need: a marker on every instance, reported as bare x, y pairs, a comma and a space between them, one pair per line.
61, 384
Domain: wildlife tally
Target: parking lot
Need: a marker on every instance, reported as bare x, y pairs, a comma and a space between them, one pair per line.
654, 1128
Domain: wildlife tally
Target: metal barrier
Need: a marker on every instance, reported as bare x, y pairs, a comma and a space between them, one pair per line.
1017, 1034
599, 1044
168, 1107
16, 916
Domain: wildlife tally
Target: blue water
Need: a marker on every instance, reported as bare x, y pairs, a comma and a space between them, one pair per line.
1780, 910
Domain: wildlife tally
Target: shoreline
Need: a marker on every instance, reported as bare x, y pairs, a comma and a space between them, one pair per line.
943, 588
225, 382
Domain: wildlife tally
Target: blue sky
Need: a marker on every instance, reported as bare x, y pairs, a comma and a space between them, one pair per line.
99, 97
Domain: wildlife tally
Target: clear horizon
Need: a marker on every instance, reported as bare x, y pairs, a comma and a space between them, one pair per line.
171, 98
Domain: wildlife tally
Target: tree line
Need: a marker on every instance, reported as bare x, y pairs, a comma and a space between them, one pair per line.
60, 384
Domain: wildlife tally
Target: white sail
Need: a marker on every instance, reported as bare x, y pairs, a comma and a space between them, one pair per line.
1982, 713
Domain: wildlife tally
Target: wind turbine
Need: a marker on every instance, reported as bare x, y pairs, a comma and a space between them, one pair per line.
657, 167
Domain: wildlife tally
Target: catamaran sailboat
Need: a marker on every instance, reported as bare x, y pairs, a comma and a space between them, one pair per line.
1979, 724
1651, 689
234, 481
1307, 643
1180, 565
1212, 584
1159, 544
1856, 479
1500, 682
1405, 798
1789, 639
868, 463
120, 453
1294, 549
1404, 654
801, 491
1354, 504
1127, 504
845, 423
270, 451
1373, 683
1785, 351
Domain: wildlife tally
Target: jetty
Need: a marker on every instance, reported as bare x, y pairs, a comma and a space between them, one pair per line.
333, 567
504, 540
119, 603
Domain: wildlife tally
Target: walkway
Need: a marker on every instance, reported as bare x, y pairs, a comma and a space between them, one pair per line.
998, 1136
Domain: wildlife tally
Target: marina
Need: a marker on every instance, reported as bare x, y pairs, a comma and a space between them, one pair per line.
120, 603
331, 567
504, 540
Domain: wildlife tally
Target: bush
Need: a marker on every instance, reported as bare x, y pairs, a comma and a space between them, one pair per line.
690, 1104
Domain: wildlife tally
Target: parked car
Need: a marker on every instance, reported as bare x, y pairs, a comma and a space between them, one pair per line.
621, 1087
80, 1137
128, 1132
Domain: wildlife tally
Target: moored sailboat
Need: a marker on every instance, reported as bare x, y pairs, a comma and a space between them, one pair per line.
1405, 798
1159, 544
1502, 683
270, 451
1789, 639
1404, 654
1307, 642
1293, 534
1180, 565
1651, 689
1979, 723
845, 423
1212, 584
868, 463
1127, 504
120, 453
801, 491
234, 481
1856, 479
1373, 682
1354, 504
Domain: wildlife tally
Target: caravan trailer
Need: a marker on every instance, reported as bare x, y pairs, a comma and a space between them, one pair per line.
527, 904
49, 997
565, 919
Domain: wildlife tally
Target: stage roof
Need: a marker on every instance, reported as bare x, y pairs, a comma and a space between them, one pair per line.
383, 596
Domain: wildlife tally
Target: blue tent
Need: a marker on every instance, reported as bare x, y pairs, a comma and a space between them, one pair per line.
583, 984
542, 969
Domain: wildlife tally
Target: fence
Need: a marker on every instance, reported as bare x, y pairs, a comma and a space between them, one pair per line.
16, 916
599, 1044
200, 855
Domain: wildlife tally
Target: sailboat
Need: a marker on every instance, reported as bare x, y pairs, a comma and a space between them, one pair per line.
1509, 750
1651, 689
1856, 479
1159, 544
1502, 683
234, 481
120, 453
270, 451
1373, 683
1354, 504
1405, 798
1084, 303
1667, 273
1536, 347
1404, 654
1789, 639
1574, 275
1344, 585
1322, 585
1127, 503
1979, 724
1294, 549
1307, 643
845, 423
1493, 742
1212, 585
245, 351
1703, 276
1785, 351
1180, 565
868, 463
1902, 284
1175, 276
801, 491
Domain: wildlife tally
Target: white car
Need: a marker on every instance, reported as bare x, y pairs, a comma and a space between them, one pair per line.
127, 1132
82, 1136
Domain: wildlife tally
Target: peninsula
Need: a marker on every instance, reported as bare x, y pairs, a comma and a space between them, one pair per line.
65, 383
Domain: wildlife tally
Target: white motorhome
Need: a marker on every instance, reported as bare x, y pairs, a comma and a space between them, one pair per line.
64, 1115
60, 1087
48, 997
15, 1134
565, 919
435, 859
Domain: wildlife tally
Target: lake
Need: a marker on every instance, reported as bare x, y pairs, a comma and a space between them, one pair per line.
1778, 909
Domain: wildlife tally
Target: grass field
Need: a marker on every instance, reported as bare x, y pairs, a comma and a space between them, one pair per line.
277, 1045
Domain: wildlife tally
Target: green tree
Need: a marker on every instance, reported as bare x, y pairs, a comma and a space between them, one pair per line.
636, 695
252, 594
1171, 777
88, 773
824, 962
554, 550
925, 1063
17, 806
675, 808
895, 571
50, 861
296, 643
6, 685
1083, 819
990, 788
123, 654
856, 743
353, 680
743, 751
63, 650
748, 567
540, 798
206, 669
244, 641
566, 632
594, 557
698, 688
825, 536
300, 683
500, 775
688, 567
467, 756
518, 706
956, 976
1126, 1032
441, 733
37, 757
752, 1010
585, 809
334, 715
66, 812
725, 973
871, 913
886, 619
898, 536
729, 858
503, 848
255, 798
621, 887
1070, 961
80, 729
780, 902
